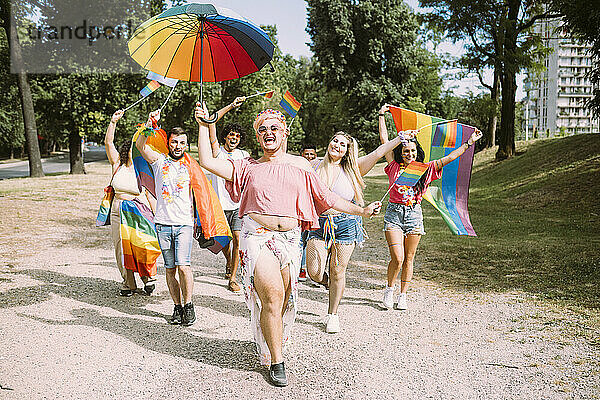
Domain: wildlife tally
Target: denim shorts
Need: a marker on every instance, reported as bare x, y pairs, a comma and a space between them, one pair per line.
233, 219
408, 219
175, 242
347, 229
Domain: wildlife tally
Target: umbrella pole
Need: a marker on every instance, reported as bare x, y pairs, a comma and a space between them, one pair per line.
201, 58
208, 120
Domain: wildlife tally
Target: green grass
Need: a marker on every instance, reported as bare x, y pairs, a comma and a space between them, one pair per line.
537, 220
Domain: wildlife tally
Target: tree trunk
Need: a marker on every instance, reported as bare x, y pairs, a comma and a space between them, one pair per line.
31, 137
75, 155
493, 120
506, 135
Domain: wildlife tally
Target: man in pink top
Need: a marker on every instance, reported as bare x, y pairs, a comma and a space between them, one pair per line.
278, 193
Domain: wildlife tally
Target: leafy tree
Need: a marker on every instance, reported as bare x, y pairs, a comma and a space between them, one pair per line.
77, 100
11, 121
582, 20
500, 35
28, 113
369, 52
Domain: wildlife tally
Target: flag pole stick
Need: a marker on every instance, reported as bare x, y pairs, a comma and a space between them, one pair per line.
390, 188
257, 94
291, 122
386, 193
437, 123
168, 97
140, 100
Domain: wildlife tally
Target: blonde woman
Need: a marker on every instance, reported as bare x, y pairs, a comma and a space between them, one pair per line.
341, 170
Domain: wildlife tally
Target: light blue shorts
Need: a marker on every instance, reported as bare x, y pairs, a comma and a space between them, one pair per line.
347, 229
408, 219
175, 242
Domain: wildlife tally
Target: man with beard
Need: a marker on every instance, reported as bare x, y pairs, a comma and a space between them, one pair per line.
231, 137
174, 219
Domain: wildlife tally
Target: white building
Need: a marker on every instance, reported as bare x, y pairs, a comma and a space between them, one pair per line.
555, 102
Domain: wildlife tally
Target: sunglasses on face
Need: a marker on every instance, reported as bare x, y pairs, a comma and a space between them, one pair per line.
274, 128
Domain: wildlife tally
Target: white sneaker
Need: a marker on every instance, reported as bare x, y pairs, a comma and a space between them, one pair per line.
388, 297
402, 303
333, 323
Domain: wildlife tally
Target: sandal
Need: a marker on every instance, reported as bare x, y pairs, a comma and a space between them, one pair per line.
234, 287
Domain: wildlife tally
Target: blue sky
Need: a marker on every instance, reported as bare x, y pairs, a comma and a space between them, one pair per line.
290, 18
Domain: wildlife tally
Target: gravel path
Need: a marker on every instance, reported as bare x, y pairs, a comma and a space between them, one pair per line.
66, 334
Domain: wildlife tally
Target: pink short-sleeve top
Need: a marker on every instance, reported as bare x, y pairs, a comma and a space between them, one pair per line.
405, 194
279, 189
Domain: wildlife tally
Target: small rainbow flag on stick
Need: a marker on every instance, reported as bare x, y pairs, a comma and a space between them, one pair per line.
290, 104
411, 174
149, 88
445, 134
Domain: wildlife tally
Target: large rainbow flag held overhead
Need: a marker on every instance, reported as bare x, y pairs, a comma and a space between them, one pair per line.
449, 194
207, 211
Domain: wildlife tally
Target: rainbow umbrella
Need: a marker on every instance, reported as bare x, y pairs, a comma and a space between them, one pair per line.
200, 43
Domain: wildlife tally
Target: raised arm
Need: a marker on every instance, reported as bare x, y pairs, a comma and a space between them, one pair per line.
222, 168
145, 150
214, 142
439, 164
109, 138
383, 133
365, 163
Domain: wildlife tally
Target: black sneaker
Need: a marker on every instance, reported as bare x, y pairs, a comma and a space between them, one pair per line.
277, 375
149, 288
126, 292
177, 316
189, 316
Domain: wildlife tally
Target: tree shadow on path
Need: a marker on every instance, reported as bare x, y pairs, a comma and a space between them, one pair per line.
156, 336
171, 340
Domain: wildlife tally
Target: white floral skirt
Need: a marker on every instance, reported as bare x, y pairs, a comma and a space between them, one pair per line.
284, 245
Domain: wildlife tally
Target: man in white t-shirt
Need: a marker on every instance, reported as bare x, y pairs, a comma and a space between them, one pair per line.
174, 218
231, 137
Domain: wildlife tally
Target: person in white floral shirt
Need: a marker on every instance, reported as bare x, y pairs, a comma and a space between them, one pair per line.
174, 219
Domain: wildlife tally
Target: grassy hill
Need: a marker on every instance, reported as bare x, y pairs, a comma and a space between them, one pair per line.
537, 218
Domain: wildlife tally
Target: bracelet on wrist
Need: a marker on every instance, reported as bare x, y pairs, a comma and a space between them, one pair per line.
381, 115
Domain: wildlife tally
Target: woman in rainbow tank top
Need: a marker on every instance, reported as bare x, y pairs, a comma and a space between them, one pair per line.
403, 221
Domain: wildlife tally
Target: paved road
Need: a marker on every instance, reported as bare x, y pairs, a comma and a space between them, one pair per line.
52, 165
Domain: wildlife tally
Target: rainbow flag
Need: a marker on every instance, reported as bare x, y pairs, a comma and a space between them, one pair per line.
445, 134
449, 194
207, 208
149, 88
269, 94
153, 76
103, 217
411, 174
290, 104
138, 238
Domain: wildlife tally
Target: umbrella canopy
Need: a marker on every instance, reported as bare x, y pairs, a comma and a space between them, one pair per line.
200, 43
